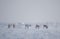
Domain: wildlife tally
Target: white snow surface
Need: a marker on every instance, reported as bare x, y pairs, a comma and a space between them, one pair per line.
19, 32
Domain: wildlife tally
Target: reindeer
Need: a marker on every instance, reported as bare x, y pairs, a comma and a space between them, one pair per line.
13, 25
9, 25
37, 26
27, 26
45, 26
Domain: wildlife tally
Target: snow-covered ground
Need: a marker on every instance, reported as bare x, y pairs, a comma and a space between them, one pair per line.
19, 32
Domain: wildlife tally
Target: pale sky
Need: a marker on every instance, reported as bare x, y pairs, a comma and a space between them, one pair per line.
29, 10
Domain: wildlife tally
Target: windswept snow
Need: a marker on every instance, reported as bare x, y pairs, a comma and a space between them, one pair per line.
19, 32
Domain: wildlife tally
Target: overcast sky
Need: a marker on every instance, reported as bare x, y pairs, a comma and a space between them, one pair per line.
29, 10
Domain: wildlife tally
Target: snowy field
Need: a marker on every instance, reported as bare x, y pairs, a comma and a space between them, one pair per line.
19, 32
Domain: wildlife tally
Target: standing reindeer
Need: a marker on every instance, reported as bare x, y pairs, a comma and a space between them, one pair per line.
9, 25
45, 26
37, 26
13, 25
27, 26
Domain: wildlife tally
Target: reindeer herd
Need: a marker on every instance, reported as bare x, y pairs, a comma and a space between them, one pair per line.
9, 25
27, 26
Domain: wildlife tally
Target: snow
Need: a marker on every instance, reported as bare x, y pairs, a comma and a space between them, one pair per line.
19, 32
